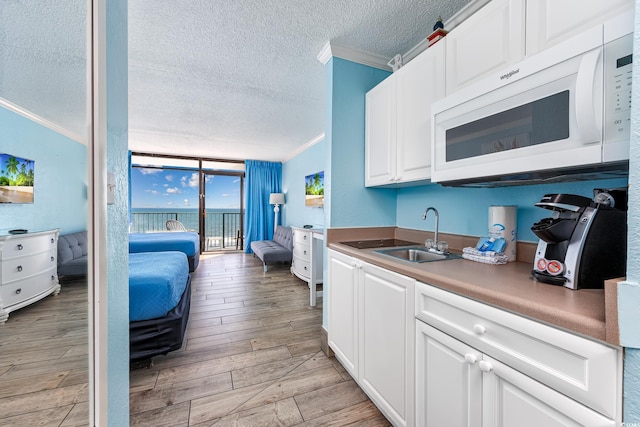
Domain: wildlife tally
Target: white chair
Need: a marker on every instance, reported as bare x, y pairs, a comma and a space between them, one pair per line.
174, 225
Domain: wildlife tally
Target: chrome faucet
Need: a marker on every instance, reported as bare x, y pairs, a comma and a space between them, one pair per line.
435, 234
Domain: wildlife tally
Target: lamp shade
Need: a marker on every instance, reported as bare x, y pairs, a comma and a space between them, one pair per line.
276, 199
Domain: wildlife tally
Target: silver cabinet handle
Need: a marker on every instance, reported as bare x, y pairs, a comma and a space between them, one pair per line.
19, 268
20, 247
18, 291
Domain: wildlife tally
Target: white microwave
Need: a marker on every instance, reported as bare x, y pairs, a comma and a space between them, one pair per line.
558, 111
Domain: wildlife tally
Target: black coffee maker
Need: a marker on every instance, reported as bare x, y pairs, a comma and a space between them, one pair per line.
584, 242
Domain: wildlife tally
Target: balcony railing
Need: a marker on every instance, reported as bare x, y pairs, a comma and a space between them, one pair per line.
221, 229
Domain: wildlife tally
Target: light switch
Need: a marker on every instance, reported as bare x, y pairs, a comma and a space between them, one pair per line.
111, 188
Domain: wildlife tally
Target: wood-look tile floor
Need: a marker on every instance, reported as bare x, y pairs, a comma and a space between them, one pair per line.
251, 357
43, 361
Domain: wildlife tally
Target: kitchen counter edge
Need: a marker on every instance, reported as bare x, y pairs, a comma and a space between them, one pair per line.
588, 312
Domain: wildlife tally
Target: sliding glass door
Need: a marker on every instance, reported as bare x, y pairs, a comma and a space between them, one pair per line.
223, 211
205, 195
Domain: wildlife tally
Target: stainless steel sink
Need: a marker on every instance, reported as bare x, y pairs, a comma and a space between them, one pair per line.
417, 254
378, 243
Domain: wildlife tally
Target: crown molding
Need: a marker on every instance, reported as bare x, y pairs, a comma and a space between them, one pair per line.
468, 10
42, 121
305, 147
331, 49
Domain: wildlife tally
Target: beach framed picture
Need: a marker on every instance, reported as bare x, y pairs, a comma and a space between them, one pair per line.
314, 189
16, 179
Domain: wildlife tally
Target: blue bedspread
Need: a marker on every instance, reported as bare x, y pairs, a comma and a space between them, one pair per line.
156, 283
183, 241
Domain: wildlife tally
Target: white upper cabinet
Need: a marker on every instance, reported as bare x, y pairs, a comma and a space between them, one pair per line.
420, 82
490, 39
551, 21
380, 133
398, 121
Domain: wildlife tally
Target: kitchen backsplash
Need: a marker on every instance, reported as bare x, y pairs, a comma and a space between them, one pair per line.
465, 210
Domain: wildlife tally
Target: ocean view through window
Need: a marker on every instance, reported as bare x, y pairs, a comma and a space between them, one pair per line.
162, 193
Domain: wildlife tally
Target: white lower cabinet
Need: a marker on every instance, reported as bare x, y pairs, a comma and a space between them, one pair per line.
343, 310
386, 341
371, 330
511, 398
477, 365
448, 381
428, 357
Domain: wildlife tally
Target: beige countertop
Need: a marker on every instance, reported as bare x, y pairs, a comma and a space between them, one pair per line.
510, 286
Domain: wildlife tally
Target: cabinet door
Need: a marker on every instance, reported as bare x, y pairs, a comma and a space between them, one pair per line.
380, 134
420, 83
512, 399
580, 368
551, 21
489, 40
343, 310
386, 337
448, 381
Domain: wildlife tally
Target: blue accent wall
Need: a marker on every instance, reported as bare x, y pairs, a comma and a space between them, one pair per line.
294, 212
351, 205
347, 202
117, 214
629, 291
60, 170
465, 210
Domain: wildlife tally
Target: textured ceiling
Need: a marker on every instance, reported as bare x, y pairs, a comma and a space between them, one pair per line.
225, 79
43, 60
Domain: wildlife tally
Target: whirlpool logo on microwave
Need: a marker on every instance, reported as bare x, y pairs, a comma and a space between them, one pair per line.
509, 74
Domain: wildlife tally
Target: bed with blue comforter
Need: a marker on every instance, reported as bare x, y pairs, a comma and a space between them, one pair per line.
159, 302
187, 242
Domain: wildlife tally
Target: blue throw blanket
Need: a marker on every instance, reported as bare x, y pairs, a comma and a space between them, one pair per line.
156, 283
183, 241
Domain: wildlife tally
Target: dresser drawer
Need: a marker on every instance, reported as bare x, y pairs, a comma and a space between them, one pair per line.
585, 370
302, 251
302, 266
19, 268
17, 247
303, 237
22, 290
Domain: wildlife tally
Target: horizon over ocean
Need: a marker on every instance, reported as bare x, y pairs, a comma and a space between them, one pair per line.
183, 210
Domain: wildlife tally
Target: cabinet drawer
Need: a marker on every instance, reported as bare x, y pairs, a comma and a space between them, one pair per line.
583, 369
302, 251
19, 268
302, 266
22, 290
27, 245
301, 237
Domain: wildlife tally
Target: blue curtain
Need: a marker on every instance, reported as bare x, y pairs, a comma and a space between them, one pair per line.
262, 179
